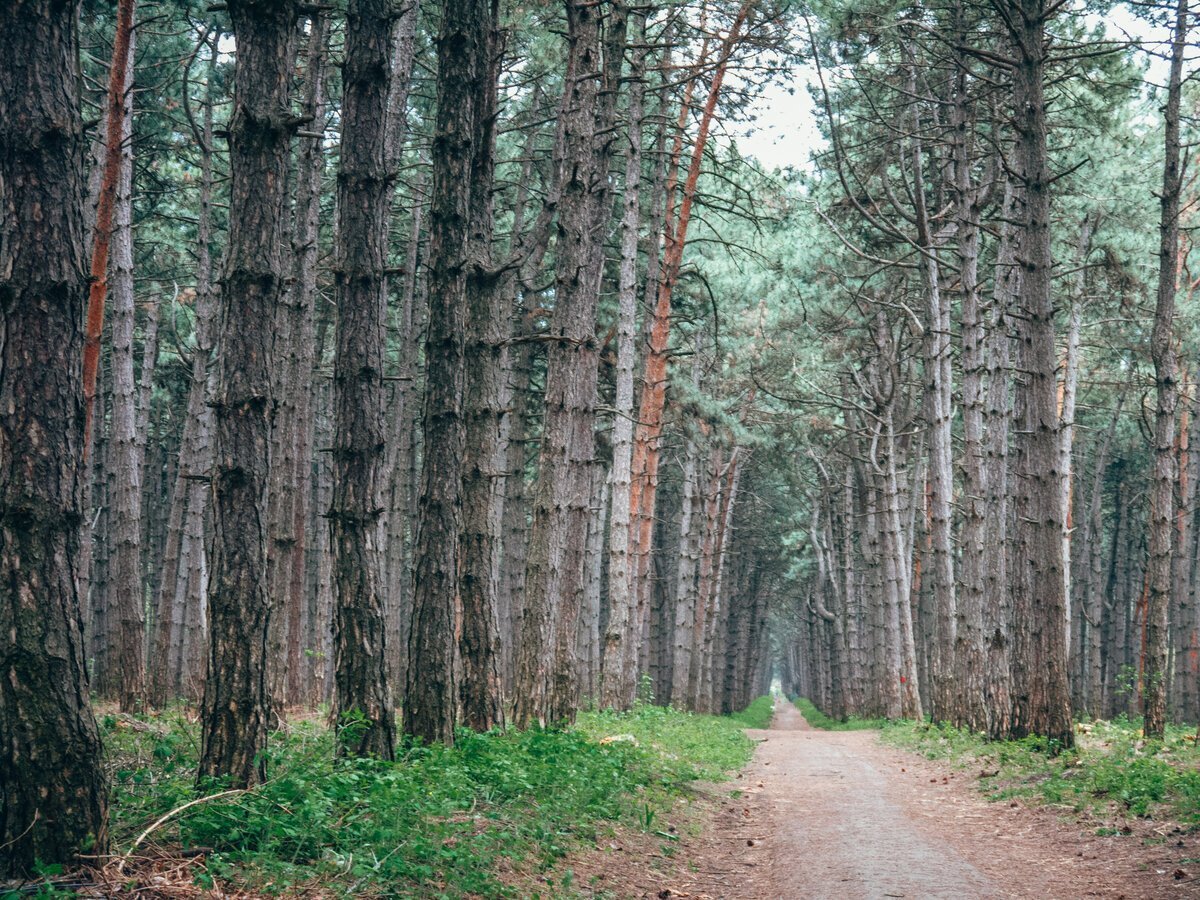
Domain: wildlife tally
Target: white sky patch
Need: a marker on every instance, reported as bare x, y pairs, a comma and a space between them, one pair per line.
784, 129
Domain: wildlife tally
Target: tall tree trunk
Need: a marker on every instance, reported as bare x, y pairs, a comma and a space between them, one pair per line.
546, 683
618, 670
714, 613
589, 615
969, 654
237, 703
125, 476
431, 695
183, 585
1041, 695
406, 469
515, 532
1068, 390
1092, 611
685, 578
53, 797
997, 602
647, 440
106, 199
363, 695
1162, 349
939, 415
290, 479
401, 497
705, 579
481, 689
1188, 667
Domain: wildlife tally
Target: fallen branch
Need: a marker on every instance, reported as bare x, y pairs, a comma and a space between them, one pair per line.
168, 816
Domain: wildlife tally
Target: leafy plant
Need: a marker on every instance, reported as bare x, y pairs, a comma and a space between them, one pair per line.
1112, 767
438, 821
818, 719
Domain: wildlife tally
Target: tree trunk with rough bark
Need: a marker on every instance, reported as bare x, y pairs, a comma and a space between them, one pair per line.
547, 679
618, 682
1041, 695
126, 594
290, 486
481, 690
1162, 349
403, 414
237, 702
431, 695
970, 659
515, 534
53, 796
685, 577
364, 706
939, 415
997, 602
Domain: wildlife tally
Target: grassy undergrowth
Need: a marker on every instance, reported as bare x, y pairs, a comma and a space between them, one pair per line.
1112, 769
757, 715
818, 719
439, 822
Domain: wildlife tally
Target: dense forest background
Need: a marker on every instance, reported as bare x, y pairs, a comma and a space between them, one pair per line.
450, 364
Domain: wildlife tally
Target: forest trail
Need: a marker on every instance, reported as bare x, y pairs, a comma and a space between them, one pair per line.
833, 807
838, 815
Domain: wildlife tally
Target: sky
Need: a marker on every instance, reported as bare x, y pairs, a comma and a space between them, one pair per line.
785, 132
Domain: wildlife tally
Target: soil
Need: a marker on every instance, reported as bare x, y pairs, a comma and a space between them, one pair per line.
821, 814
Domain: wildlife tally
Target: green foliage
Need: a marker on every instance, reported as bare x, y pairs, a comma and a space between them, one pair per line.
51, 884
818, 719
757, 715
437, 822
1111, 767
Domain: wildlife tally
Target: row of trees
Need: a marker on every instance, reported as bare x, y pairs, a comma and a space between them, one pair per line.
1001, 523
355, 412
450, 365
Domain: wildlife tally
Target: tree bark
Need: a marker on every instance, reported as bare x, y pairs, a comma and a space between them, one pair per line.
1162, 349
939, 414
431, 695
970, 658
685, 578
53, 797
481, 690
618, 651
363, 696
547, 679
290, 479
126, 590
237, 702
403, 418
1041, 695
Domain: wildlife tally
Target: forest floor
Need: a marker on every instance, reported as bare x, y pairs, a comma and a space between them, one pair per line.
837, 814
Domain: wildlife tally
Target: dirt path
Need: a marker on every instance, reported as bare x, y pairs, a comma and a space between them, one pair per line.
820, 814
834, 812
837, 815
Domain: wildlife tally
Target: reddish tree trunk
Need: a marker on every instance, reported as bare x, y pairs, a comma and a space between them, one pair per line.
647, 440
105, 206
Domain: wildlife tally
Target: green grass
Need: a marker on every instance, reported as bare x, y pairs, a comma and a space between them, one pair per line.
757, 715
1111, 769
818, 719
438, 822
